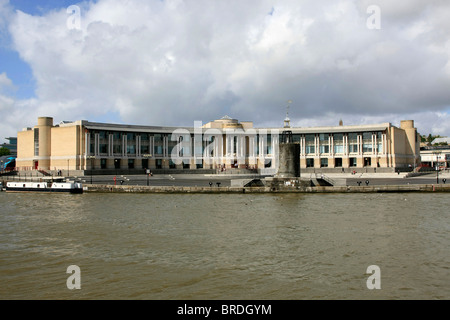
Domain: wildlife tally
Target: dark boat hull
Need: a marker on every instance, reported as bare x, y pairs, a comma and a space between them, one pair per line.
48, 190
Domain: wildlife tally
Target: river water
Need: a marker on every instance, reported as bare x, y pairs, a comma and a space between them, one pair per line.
225, 246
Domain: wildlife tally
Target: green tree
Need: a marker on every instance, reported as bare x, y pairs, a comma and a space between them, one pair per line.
430, 138
4, 151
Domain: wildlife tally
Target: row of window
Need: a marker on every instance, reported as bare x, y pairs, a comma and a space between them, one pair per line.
310, 147
145, 164
339, 149
158, 144
104, 135
325, 162
338, 137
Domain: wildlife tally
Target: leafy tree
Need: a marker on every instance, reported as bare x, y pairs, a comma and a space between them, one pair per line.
4, 151
430, 138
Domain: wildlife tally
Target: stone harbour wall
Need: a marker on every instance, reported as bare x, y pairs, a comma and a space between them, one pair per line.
267, 189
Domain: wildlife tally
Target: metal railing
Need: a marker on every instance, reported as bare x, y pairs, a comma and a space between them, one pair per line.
325, 178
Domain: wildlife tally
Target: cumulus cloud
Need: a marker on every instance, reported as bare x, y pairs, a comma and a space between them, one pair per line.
15, 113
172, 62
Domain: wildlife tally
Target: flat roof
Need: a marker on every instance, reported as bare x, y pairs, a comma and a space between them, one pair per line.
301, 130
338, 129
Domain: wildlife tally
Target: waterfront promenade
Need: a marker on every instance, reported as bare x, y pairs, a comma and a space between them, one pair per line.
212, 183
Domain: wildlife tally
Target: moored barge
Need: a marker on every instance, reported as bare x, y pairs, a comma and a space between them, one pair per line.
68, 187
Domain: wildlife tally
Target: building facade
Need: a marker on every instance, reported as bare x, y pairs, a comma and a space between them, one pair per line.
435, 157
11, 146
220, 145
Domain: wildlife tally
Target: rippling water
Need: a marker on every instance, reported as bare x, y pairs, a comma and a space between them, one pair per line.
290, 246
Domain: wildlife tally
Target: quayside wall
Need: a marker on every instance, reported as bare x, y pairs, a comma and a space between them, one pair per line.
213, 190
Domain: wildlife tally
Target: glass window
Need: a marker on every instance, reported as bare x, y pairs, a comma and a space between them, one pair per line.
269, 144
158, 148
353, 142
172, 144
131, 149
367, 136
117, 148
310, 149
324, 163
324, 148
367, 147
338, 141
310, 145
338, 149
353, 137
379, 136
379, 142
324, 143
103, 148
145, 149
338, 138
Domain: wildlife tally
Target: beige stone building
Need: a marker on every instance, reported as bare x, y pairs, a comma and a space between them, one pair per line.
218, 145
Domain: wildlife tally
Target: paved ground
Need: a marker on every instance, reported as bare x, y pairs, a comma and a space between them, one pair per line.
225, 181
161, 180
393, 181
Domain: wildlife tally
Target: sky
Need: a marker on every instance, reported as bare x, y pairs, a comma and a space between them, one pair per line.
173, 62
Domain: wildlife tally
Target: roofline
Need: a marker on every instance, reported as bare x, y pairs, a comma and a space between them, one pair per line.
337, 129
165, 129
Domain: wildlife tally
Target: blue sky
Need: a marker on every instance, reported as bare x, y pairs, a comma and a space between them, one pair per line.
19, 72
174, 62
10, 62
36, 7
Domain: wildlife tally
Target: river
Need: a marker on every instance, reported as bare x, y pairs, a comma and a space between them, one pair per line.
225, 246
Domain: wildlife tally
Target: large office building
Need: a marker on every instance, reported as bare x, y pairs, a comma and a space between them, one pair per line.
11, 146
218, 145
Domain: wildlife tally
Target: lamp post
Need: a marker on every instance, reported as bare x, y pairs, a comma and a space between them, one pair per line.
437, 153
147, 156
91, 158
